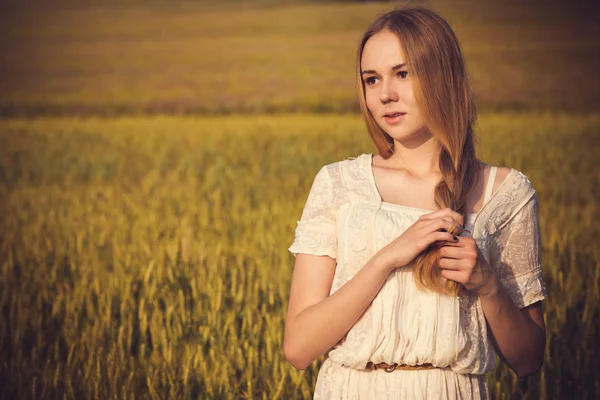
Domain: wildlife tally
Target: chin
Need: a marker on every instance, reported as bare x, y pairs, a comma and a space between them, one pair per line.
402, 135
405, 134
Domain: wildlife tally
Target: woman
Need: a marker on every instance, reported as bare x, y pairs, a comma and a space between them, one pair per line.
415, 267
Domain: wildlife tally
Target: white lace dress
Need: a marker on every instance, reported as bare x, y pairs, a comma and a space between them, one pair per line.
345, 218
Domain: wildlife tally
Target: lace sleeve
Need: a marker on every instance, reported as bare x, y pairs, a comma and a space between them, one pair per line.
515, 255
316, 232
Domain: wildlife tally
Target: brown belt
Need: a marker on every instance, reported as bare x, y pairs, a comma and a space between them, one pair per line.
394, 366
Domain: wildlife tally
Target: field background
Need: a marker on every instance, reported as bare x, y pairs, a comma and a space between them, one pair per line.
155, 157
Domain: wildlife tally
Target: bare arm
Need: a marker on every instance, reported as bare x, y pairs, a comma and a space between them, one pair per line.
519, 334
315, 321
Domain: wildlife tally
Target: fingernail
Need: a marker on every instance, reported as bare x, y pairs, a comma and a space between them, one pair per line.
455, 238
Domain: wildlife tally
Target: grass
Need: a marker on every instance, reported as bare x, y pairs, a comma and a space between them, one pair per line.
147, 256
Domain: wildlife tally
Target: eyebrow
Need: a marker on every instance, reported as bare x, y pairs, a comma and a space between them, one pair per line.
372, 71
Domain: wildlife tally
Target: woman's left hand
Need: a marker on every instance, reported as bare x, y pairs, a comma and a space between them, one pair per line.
462, 262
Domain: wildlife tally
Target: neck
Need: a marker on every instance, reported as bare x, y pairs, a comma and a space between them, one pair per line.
418, 154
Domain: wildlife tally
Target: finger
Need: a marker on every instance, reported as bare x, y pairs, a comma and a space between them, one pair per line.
450, 264
455, 226
445, 212
459, 242
444, 225
452, 275
448, 224
464, 242
450, 250
439, 236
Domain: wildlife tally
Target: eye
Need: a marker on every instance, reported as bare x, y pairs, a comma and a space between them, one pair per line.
370, 80
402, 74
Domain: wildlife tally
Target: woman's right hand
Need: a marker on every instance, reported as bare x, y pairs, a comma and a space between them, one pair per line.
428, 229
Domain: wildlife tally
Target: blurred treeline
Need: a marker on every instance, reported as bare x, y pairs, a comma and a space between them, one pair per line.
201, 57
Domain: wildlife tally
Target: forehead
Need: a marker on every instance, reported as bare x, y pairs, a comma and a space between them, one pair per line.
382, 50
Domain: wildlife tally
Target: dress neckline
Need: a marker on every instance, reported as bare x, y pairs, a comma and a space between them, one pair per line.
369, 159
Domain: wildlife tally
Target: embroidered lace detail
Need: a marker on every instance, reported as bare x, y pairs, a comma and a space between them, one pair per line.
512, 246
360, 221
516, 191
515, 255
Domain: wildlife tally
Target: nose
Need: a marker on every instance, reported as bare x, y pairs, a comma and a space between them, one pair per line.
388, 92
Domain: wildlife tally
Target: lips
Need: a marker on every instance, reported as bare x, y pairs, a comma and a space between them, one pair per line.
393, 118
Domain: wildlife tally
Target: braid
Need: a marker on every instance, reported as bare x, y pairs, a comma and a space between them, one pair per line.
426, 272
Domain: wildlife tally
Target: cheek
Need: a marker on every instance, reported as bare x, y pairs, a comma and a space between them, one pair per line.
409, 96
372, 100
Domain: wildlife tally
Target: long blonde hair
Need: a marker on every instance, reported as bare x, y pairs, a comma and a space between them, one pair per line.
445, 100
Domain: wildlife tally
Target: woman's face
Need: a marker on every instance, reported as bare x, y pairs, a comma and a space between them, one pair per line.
389, 87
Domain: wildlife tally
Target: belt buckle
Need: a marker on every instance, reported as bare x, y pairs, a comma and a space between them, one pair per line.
391, 368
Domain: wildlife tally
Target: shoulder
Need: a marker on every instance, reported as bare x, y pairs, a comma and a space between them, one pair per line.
501, 175
347, 178
343, 167
509, 179
519, 182
336, 173
513, 192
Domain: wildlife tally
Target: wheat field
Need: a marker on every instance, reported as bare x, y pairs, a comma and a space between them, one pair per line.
147, 257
